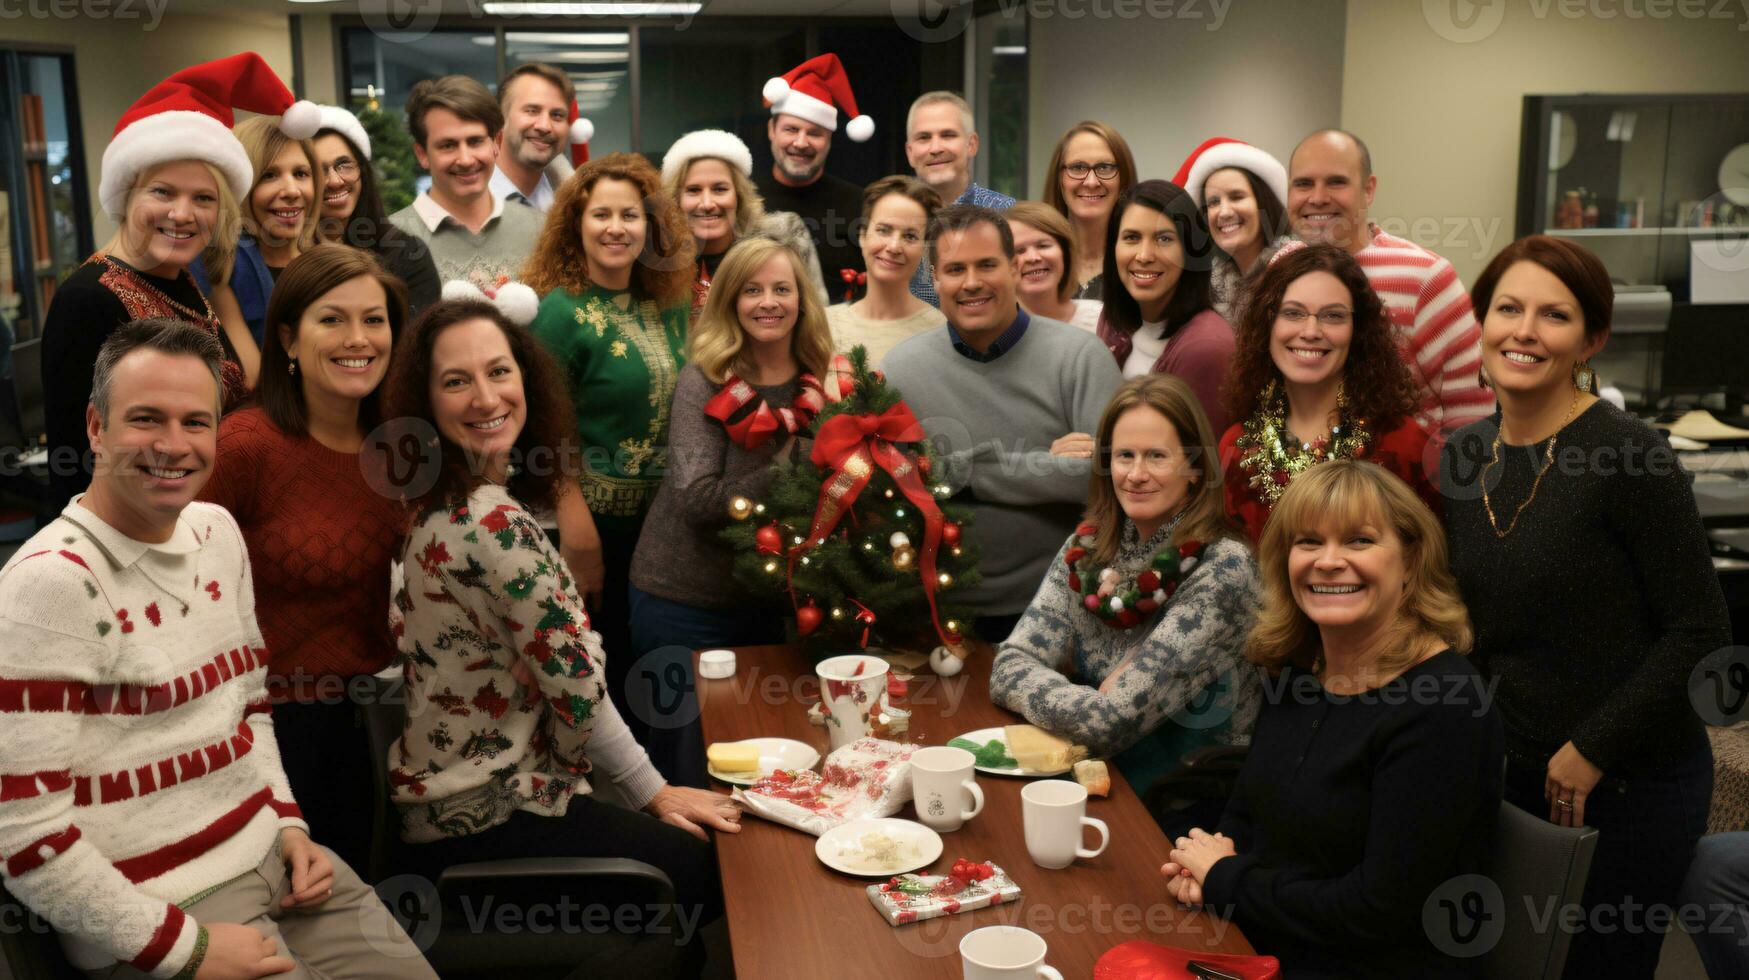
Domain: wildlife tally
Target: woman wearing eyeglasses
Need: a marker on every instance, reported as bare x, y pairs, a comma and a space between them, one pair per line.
1316, 376
353, 214
1090, 167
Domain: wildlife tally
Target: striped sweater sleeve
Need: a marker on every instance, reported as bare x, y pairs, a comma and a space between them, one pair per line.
1445, 342
46, 677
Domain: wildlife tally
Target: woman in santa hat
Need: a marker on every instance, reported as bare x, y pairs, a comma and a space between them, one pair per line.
172, 179
1240, 189
709, 175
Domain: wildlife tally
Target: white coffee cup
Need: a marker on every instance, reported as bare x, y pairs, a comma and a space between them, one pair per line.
941, 777
1053, 811
1004, 953
850, 698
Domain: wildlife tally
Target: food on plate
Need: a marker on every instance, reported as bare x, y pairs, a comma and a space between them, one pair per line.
1092, 774
991, 755
875, 852
733, 758
1036, 749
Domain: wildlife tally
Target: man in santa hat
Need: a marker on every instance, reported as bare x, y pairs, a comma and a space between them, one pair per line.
805, 104
536, 100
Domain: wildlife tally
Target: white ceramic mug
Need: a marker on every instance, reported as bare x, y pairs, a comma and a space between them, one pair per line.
851, 699
1004, 953
941, 778
1053, 811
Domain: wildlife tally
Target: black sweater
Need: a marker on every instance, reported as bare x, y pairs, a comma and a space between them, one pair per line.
830, 208
1352, 810
1593, 612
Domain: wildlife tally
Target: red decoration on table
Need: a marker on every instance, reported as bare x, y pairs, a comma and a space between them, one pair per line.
1139, 959
807, 618
769, 539
850, 447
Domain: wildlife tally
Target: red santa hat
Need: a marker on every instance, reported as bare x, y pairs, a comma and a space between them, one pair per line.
1222, 152
189, 115
582, 131
347, 125
721, 144
815, 90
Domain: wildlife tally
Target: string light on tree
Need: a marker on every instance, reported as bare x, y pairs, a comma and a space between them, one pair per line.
740, 508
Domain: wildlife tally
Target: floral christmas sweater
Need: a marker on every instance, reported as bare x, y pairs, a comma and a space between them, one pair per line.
506, 699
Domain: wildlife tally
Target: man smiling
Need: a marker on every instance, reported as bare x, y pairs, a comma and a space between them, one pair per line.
941, 142
1009, 398
471, 233
536, 102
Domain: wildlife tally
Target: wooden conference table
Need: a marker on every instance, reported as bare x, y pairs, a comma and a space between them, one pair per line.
791, 916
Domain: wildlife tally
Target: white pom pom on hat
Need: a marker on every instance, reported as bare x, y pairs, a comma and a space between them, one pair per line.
517, 301
301, 120
859, 129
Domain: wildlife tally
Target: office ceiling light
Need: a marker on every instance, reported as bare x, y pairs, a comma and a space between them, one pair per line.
589, 8
571, 38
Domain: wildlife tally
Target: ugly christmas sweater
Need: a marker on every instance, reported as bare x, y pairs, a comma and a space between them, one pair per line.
484, 591
139, 768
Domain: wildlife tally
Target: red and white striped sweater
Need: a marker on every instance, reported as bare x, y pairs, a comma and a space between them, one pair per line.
1436, 327
138, 768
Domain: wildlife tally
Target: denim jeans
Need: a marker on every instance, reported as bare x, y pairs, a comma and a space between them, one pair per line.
1717, 889
661, 697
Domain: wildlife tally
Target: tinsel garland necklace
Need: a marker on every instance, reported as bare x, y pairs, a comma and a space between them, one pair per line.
1123, 605
1271, 465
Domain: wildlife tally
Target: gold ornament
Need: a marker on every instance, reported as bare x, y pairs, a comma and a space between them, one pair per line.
740, 508
904, 558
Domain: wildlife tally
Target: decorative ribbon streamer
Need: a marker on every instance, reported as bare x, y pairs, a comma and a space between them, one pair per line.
753, 427
849, 447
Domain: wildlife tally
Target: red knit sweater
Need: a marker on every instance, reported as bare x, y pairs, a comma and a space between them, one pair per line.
1404, 451
320, 542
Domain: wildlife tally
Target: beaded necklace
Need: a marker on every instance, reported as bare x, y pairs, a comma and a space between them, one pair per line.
1122, 605
1271, 465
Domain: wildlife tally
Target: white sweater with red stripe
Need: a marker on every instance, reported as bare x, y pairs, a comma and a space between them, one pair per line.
1435, 326
138, 768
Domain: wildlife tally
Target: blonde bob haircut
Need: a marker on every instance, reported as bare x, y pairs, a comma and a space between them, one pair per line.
1035, 214
1346, 495
716, 342
749, 206
1205, 515
221, 246
263, 140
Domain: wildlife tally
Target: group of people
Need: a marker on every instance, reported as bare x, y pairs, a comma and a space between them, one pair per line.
1244, 469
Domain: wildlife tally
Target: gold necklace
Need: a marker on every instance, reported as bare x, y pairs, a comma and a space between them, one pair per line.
1548, 461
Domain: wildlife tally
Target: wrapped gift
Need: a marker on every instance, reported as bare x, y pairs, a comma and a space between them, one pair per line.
912, 898
1139, 959
867, 778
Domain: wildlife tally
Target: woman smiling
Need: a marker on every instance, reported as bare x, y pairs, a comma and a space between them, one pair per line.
1089, 169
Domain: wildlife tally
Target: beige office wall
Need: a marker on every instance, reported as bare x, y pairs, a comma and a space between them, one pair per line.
318, 42
1177, 73
1436, 89
117, 60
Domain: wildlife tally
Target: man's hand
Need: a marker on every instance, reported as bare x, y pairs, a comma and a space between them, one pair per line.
238, 952
687, 808
312, 874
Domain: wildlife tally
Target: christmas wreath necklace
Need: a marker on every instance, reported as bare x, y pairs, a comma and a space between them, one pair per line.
1272, 464
1121, 604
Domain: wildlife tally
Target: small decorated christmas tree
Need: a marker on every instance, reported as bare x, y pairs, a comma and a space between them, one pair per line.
392, 155
854, 536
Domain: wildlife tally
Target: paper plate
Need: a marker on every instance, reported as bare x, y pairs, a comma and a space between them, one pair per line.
913, 846
774, 754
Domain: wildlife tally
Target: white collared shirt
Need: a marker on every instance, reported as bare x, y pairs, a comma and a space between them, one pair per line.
503, 188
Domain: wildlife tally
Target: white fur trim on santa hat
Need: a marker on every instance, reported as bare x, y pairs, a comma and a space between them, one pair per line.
165, 137
347, 125
721, 144
1220, 156
804, 106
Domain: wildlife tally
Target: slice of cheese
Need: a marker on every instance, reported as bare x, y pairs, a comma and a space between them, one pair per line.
1034, 748
733, 757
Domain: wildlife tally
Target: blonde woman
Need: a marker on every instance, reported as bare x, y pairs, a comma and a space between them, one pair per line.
1154, 551
1375, 771
1044, 247
708, 173
279, 217
760, 366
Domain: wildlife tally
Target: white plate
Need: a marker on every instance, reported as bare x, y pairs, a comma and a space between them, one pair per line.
983, 736
918, 847
774, 754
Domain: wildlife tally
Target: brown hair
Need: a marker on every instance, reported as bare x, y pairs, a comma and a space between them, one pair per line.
1574, 264
263, 140
907, 187
305, 280
546, 400
1205, 516
1352, 493
1120, 152
1045, 218
1376, 382
964, 217
664, 269
461, 95
559, 79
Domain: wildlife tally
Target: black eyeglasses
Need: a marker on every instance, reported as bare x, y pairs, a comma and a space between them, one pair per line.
346, 167
1329, 318
1079, 171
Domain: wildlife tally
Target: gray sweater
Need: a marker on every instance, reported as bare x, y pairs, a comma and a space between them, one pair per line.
993, 424
1051, 667
679, 556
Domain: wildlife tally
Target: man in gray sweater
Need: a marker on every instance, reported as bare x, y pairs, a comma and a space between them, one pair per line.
1009, 401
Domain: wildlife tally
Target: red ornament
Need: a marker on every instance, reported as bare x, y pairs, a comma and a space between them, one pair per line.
769, 539
950, 532
807, 618
924, 464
